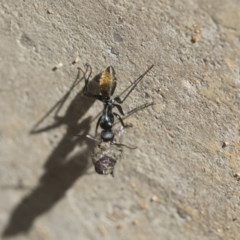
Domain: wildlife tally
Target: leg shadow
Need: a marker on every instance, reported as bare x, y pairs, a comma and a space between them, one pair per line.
62, 168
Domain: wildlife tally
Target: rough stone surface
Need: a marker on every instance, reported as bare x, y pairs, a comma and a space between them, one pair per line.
182, 181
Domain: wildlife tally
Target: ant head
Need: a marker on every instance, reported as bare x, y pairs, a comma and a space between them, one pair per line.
107, 135
105, 165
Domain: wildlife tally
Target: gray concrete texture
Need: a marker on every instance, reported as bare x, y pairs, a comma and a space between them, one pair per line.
182, 181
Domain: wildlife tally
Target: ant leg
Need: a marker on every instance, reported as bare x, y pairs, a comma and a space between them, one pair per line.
119, 107
131, 87
119, 119
77, 79
58, 106
129, 113
74, 84
136, 109
88, 67
98, 122
124, 145
90, 72
86, 91
119, 133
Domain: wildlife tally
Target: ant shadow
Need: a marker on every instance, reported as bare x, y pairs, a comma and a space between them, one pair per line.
62, 168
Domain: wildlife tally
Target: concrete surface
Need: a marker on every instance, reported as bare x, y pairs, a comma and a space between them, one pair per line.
182, 182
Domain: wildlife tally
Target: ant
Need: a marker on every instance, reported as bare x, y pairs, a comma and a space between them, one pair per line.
108, 151
107, 85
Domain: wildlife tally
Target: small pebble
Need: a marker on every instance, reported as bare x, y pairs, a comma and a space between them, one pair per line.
225, 144
77, 59
50, 11
195, 37
154, 198
237, 176
59, 65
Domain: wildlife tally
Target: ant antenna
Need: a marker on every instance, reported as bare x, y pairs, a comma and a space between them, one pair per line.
131, 87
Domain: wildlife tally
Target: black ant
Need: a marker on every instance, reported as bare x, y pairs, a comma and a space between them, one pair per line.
108, 151
107, 85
